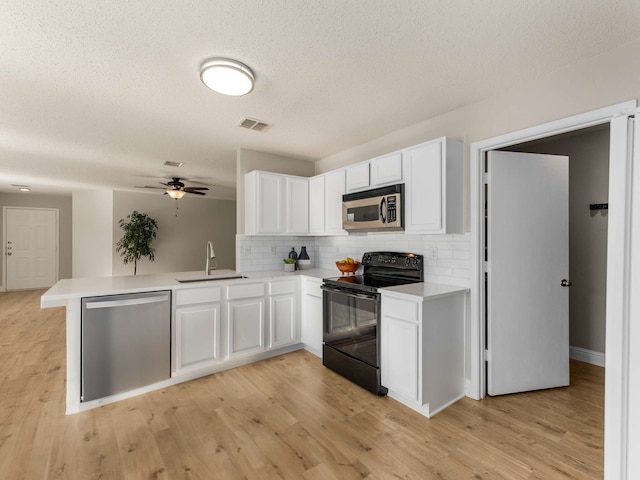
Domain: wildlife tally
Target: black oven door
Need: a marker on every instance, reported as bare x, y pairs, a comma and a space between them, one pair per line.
351, 323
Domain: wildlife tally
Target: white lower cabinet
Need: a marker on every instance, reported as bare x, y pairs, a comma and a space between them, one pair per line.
311, 315
400, 356
282, 313
245, 318
196, 341
422, 349
246, 326
215, 327
198, 331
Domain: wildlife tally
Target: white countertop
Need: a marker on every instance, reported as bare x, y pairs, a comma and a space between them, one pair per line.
64, 290
422, 290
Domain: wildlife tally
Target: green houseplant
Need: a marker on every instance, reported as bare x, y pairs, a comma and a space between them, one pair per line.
139, 231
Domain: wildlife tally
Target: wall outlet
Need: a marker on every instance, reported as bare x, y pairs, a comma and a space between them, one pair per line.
273, 249
431, 253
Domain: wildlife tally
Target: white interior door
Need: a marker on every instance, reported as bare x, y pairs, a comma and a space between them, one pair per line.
528, 259
31, 250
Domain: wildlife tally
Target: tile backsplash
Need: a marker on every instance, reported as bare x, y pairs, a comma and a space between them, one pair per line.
447, 257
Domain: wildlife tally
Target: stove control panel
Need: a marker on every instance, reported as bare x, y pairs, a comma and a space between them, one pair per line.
403, 261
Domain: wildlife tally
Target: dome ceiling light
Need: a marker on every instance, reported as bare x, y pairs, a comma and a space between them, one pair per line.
227, 76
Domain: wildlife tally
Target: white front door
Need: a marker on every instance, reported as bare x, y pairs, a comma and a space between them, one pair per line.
527, 261
31, 248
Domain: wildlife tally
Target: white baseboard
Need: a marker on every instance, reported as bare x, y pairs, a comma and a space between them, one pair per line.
587, 356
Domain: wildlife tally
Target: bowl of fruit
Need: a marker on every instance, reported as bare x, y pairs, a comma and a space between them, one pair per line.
348, 266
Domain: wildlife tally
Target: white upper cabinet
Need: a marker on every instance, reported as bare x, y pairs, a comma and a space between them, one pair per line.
333, 191
432, 172
433, 187
297, 205
316, 205
386, 169
325, 203
373, 173
275, 204
358, 176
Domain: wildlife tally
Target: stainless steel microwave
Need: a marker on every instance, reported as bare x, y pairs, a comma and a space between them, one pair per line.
376, 210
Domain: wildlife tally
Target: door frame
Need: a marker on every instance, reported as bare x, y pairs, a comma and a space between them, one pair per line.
621, 384
3, 287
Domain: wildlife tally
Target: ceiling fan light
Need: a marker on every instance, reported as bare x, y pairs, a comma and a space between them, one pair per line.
227, 77
176, 194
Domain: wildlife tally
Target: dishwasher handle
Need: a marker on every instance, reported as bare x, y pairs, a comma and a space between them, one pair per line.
127, 302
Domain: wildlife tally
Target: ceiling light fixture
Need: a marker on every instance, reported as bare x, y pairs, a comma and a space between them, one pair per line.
22, 188
227, 76
176, 194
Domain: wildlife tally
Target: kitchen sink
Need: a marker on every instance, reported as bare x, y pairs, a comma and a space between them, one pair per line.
209, 278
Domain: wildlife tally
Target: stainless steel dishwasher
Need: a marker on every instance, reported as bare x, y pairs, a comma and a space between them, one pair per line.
126, 342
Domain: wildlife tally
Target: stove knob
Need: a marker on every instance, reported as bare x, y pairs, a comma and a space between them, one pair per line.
407, 261
393, 259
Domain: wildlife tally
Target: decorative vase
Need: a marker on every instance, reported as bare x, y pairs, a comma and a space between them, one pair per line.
304, 262
294, 255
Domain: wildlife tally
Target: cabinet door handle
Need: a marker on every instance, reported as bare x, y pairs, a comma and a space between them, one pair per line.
565, 282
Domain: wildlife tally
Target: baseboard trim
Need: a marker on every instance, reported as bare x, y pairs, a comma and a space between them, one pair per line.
587, 356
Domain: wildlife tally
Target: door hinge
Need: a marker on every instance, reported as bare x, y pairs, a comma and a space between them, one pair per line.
485, 178
485, 266
487, 357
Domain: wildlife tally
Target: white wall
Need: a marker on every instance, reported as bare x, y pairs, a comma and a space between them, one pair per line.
92, 233
249, 160
602, 80
182, 234
63, 204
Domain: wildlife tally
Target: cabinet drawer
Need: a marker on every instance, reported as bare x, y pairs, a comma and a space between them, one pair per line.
402, 309
190, 296
312, 287
245, 290
283, 286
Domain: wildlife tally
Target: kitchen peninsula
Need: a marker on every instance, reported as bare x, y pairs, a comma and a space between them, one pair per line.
216, 322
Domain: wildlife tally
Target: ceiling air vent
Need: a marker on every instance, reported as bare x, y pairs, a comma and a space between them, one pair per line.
173, 164
253, 124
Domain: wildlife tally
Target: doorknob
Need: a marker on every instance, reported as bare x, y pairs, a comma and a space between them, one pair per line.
9, 253
565, 282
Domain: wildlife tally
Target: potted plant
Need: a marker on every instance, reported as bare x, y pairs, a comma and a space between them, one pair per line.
139, 231
289, 264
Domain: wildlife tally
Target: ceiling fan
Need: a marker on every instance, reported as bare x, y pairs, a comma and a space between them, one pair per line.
177, 189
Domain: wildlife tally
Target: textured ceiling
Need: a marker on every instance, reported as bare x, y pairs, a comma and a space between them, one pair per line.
99, 94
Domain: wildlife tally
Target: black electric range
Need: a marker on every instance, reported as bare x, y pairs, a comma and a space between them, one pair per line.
351, 315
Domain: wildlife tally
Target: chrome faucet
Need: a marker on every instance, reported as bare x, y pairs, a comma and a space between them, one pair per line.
210, 256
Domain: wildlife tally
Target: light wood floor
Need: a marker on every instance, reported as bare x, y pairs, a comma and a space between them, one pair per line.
287, 417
